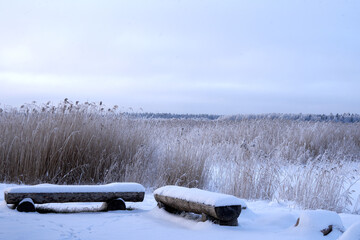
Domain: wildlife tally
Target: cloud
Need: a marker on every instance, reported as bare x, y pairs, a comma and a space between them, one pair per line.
189, 56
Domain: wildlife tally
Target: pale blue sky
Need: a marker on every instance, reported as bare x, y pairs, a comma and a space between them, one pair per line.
184, 56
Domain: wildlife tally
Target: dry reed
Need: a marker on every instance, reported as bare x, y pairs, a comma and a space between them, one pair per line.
251, 158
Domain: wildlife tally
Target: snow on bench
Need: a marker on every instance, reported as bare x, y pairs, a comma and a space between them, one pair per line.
114, 195
220, 208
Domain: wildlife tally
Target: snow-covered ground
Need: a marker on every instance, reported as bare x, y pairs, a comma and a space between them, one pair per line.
262, 220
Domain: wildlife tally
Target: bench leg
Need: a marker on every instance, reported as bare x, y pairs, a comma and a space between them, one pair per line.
233, 222
26, 205
115, 204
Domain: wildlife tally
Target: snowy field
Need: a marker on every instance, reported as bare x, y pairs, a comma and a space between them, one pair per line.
262, 220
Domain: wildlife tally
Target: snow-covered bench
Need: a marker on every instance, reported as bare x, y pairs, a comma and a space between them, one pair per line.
220, 208
113, 195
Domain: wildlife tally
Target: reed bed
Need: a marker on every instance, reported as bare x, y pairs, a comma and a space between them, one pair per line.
308, 162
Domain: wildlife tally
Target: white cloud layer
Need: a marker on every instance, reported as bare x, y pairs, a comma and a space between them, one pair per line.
184, 56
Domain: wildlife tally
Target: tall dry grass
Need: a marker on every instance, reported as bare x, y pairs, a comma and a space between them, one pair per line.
301, 161
69, 143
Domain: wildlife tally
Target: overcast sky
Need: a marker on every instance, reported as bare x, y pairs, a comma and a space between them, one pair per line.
184, 56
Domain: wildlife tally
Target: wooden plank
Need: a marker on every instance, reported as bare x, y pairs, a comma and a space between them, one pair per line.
62, 197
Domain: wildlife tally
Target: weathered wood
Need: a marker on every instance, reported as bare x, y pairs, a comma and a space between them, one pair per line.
224, 215
26, 205
62, 197
168, 208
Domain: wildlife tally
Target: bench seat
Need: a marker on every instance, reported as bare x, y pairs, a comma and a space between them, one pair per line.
220, 208
50, 193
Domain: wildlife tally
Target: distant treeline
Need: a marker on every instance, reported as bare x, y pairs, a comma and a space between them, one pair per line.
172, 116
102, 109
345, 117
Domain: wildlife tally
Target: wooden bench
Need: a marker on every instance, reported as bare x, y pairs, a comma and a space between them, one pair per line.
113, 195
220, 208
